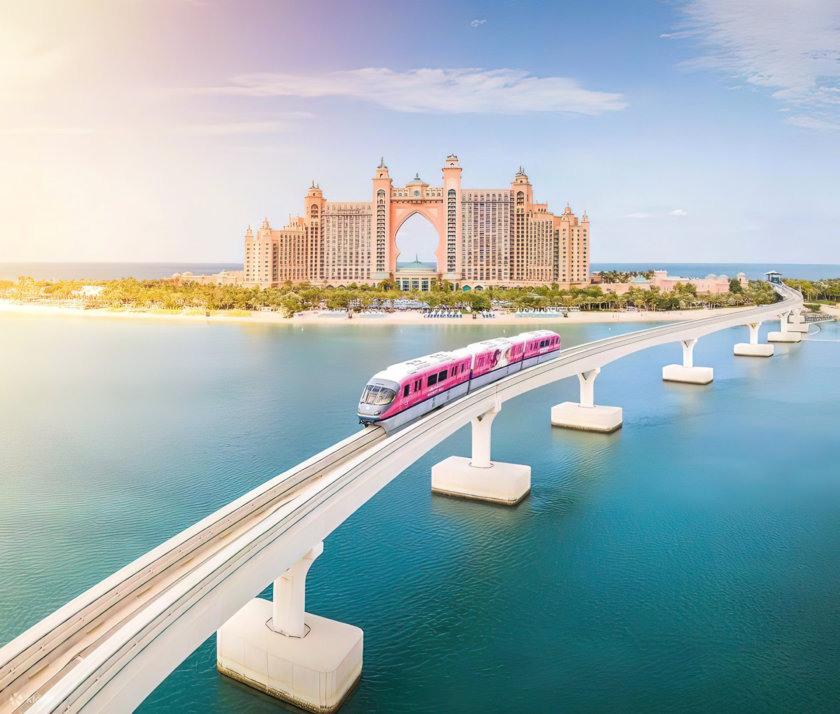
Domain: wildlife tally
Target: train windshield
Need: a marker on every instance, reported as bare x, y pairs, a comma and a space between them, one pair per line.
376, 394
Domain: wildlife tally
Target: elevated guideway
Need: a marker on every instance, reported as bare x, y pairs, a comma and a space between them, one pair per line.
110, 647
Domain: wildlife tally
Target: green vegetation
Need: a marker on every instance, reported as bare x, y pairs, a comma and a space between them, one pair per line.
619, 276
823, 290
194, 298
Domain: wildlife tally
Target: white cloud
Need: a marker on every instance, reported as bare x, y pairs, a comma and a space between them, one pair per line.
679, 212
434, 91
25, 63
223, 129
813, 123
790, 47
44, 130
477, 23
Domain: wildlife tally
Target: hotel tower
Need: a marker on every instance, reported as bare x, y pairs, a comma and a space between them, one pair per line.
485, 237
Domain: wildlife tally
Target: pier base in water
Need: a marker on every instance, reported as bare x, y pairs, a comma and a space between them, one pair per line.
571, 415
746, 349
499, 482
687, 375
784, 337
316, 672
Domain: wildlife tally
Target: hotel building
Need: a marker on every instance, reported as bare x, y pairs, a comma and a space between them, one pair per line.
485, 237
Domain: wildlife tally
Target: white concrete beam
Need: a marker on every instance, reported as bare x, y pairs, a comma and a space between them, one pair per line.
479, 478
687, 373
278, 648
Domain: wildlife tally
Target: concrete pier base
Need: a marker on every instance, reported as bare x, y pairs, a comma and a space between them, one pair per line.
745, 349
571, 415
315, 672
687, 375
784, 337
801, 327
501, 483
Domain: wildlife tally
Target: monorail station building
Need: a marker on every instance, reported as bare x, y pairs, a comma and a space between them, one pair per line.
485, 237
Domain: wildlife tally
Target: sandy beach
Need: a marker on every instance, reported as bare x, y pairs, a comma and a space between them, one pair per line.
313, 318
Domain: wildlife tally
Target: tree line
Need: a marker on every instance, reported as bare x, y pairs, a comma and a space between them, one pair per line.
168, 294
827, 290
621, 276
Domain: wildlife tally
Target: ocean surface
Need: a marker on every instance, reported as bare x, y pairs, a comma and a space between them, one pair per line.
689, 562
150, 271
108, 271
753, 271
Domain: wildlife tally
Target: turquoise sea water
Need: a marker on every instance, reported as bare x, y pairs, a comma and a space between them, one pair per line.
689, 562
753, 271
108, 271
150, 271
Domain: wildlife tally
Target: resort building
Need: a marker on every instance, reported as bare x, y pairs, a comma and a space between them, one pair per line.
485, 237
225, 277
714, 284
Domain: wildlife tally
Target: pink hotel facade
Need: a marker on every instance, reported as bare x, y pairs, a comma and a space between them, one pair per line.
485, 237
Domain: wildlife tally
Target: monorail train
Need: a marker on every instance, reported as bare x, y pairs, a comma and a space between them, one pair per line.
405, 391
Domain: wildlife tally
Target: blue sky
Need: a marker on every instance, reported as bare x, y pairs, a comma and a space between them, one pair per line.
691, 130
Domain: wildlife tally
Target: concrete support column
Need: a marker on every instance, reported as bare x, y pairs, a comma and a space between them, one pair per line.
585, 416
785, 334
688, 352
280, 649
290, 596
798, 323
687, 373
481, 427
753, 348
479, 478
587, 387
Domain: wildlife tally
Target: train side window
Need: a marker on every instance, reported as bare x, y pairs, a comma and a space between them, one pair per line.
432, 380
417, 384
442, 376
405, 390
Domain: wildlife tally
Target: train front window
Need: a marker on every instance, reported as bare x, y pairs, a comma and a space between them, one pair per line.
375, 394
385, 396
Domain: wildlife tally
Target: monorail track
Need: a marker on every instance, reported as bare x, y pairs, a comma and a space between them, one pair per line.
34, 665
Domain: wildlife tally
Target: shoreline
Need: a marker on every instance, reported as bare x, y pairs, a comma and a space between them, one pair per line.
398, 318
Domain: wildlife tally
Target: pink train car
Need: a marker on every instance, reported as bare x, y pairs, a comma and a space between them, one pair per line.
406, 391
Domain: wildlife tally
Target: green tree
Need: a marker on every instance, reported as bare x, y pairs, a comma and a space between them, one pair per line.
290, 304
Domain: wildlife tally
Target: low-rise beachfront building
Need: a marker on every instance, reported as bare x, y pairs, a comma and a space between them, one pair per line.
485, 237
713, 284
225, 277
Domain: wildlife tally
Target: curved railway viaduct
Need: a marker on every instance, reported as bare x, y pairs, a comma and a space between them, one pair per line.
110, 647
